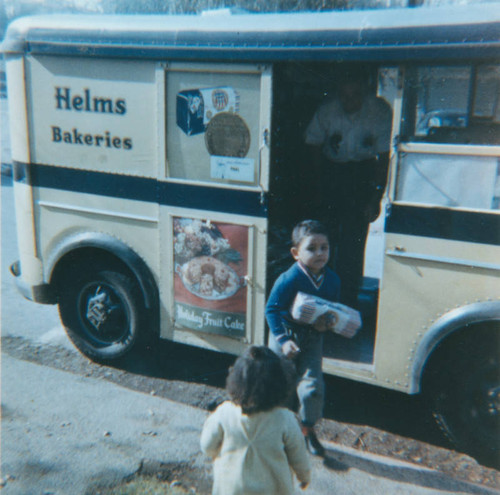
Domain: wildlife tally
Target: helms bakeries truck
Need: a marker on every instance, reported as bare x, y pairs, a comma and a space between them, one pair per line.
156, 162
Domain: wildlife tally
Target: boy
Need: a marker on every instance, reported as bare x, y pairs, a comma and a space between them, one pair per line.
304, 343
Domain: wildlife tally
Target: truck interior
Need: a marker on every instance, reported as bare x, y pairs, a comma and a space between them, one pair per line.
298, 90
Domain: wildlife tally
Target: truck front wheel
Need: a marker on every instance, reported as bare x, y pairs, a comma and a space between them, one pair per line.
101, 313
466, 396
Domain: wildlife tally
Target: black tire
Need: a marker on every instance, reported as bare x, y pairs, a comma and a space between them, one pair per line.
102, 314
466, 397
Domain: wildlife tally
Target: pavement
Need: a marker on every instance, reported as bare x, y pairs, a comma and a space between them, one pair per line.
108, 433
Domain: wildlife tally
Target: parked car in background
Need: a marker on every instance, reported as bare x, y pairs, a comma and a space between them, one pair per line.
441, 118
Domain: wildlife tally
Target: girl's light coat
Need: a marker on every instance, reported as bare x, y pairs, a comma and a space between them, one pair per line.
255, 453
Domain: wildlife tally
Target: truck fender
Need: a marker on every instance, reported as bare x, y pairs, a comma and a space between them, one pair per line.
469, 314
114, 247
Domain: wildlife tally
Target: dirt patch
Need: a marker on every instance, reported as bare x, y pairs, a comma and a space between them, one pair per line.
153, 378
448, 462
195, 377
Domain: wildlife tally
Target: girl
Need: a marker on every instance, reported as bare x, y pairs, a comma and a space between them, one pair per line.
254, 442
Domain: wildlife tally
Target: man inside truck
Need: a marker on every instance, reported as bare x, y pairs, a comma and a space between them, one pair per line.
349, 136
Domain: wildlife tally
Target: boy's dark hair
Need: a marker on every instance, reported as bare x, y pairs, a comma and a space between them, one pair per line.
257, 381
305, 228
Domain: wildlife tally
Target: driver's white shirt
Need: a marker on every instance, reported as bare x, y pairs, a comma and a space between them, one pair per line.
364, 134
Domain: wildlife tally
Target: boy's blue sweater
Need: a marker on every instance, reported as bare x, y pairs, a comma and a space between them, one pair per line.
296, 279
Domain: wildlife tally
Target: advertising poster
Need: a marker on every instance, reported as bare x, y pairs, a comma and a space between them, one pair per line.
211, 261
214, 120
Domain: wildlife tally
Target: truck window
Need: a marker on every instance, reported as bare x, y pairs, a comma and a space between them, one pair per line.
449, 180
455, 107
458, 105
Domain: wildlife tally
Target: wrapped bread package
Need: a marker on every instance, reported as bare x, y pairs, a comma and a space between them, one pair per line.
341, 319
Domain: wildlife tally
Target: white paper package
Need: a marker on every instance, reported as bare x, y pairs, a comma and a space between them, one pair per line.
307, 308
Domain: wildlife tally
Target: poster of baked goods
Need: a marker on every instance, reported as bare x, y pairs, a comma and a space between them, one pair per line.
211, 262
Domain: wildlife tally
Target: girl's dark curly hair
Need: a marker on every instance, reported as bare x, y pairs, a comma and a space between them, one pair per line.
258, 381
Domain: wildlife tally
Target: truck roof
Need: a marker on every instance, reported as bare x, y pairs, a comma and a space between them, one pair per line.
382, 34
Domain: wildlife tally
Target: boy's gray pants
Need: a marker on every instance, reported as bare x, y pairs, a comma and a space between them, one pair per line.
310, 383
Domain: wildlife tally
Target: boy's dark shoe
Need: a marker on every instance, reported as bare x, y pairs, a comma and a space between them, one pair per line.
313, 444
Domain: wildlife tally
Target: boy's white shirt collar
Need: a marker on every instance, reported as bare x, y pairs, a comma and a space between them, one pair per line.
317, 281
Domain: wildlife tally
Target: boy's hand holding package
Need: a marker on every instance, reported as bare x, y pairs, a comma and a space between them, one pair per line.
326, 321
325, 315
290, 349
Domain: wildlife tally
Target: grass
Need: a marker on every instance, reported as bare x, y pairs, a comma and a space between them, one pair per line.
148, 486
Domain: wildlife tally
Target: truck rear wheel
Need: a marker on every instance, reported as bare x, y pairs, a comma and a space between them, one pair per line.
101, 313
466, 397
